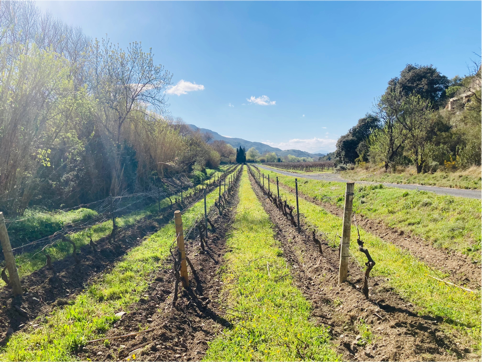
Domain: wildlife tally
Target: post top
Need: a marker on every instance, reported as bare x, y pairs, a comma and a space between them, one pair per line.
177, 212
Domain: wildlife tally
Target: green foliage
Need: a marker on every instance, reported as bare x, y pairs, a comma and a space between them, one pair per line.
351, 146
271, 318
240, 155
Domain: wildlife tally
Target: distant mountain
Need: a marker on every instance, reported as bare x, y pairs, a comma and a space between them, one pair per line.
261, 147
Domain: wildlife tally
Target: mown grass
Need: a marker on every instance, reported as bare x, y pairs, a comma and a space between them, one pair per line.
446, 221
406, 274
270, 316
29, 262
92, 312
460, 180
310, 171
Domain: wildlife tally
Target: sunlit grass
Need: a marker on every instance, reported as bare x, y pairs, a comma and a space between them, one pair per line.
270, 316
406, 274
446, 221
461, 180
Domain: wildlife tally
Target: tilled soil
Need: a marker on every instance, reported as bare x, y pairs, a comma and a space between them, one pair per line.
47, 288
460, 267
399, 333
180, 331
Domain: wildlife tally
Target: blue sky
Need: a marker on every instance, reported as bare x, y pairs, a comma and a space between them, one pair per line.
291, 74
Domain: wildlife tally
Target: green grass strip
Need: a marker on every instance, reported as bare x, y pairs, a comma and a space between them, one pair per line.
30, 262
406, 274
270, 316
446, 221
442, 179
93, 311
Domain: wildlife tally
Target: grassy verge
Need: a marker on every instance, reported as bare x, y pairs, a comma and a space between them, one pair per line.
406, 274
29, 262
270, 316
92, 312
447, 221
311, 171
469, 179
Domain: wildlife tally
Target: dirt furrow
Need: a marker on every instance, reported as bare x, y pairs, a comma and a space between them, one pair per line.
460, 267
180, 331
48, 288
398, 332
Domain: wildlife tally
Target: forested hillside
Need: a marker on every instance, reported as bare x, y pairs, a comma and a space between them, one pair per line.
423, 119
82, 119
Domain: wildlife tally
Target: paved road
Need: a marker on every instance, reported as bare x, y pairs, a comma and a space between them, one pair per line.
471, 194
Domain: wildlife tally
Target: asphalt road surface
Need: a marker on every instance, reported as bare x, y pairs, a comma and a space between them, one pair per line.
471, 194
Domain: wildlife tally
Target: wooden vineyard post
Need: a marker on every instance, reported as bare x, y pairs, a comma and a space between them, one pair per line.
263, 180
345, 239
269, 189
159, 199
297, 205
277, 185
181, 190
9, 258
180, 245
112, 213
220, 189
205, 214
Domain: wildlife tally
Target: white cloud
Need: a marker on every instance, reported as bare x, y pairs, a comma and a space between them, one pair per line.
262, 101
226, 136
323, 127
312, 145
182, 87
303, 115
230, 105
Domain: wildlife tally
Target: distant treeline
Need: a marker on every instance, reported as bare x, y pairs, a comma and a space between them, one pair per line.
423, 119
303, 166
80, 118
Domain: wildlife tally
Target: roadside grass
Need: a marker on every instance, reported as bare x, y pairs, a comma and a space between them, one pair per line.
311, 171
468, 179
447, 222
405, 273
92, 312
31, 261
270, 316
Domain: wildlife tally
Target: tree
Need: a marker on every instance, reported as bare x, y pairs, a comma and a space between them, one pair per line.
346, 146
425, 81
225, 150
252, 154
271, 157
240, 155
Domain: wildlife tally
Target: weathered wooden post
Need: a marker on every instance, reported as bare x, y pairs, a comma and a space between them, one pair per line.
112, 213
182, 250
220, 189
297, 205
277, 185
269, 188
345, 239
181, 190
159, 199
9, 258
263, 180
205, 214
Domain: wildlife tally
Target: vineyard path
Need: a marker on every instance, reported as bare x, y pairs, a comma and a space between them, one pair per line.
471, 194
